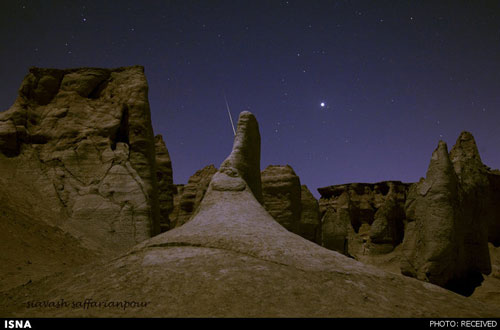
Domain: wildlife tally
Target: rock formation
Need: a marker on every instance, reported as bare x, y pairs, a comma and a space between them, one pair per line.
177, 194
449, 212
489, 291
30, 247
494, 208
291, 204
246, 162
362, 218
191, 194
477, 206
85, 135
310, 222
233, 259
335, 230
445, 221
281, 193
165, 182
432, 248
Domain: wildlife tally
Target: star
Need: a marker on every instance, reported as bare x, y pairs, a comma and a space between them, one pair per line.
322, 104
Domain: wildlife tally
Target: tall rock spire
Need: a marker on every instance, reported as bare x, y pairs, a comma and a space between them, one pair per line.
431, 246
244, 160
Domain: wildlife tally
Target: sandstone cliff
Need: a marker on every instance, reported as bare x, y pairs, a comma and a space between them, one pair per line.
281, 194
85, 137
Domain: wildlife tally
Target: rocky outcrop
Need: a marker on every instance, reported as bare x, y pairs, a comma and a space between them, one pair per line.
291, 204
281, 192
86, 136
232, 259
494, 209
243, 162
165, 182
335, 230
190, 195
310, 222
362, 218
433, 246
245, 158
31, 248
489, 291
449, 213
177, 194
445, 221
479, 210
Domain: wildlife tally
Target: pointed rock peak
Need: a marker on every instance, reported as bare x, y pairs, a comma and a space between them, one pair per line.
465, 149
440, 155
440, 169
244, 160
158, 138
161, 148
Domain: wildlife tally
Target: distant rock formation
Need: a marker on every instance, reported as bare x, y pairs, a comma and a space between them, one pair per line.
165, 182
177, 194
86, 136
449, 213
436, 230
480, 206
190, 195
232, 259
363, 218
310, 222
281, 192
433, 248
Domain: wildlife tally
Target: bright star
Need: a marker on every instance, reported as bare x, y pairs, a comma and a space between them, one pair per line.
322, 104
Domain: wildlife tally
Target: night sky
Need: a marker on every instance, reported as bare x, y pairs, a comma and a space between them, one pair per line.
344, 91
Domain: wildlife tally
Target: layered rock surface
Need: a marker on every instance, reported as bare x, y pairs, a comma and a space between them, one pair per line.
85, 135
362, 218
234, 259
281, 192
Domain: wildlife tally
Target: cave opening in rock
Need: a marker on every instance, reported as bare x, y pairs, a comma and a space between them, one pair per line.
122, 134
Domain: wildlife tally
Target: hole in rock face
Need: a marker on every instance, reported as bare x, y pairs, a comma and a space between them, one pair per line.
383, 187
466, 285
122, 134
355, 220
96, 93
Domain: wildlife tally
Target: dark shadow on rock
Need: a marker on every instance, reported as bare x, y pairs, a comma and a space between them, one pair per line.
465, 286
